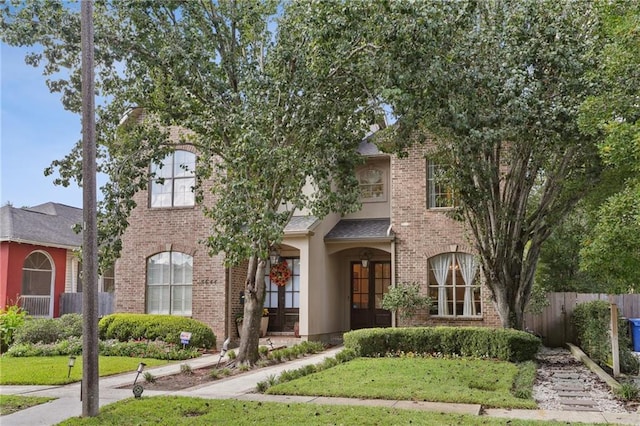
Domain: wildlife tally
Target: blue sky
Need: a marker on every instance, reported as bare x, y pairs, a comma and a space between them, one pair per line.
34, 131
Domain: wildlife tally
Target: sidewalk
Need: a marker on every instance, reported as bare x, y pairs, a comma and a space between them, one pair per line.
242, 387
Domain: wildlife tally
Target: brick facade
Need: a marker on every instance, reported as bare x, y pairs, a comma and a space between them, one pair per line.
422, 233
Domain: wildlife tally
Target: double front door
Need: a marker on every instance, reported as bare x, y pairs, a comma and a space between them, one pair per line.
368, 287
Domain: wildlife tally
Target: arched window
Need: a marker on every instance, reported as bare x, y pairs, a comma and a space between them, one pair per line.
169, 283
37, 285
454, 285
37, 275
173, 180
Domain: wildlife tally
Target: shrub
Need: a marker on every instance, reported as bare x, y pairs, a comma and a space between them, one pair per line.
406, 299
38, 330
628, 391
69, 346
149, 377
592, 321
482, 342
167, 328
156, 349
11, 319
69, 325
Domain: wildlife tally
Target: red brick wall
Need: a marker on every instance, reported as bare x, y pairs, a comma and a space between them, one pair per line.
182, 229
422, 233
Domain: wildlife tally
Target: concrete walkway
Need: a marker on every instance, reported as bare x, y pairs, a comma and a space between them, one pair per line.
242, 387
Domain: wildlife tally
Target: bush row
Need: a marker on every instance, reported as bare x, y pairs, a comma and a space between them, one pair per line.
73, 346
49, 330
503, 344
592, 320
125, 327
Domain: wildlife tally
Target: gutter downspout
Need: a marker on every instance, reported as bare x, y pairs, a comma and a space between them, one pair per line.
393, 271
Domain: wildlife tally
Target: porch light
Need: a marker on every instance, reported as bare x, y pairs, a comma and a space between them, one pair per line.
365, 257
274, 256
72, 362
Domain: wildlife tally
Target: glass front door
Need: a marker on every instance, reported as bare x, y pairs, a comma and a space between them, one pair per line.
283, 301
368, 287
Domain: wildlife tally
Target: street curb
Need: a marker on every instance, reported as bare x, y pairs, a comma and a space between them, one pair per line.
581, 356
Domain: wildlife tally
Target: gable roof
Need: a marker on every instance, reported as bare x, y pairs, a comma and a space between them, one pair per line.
361, 229
48, 224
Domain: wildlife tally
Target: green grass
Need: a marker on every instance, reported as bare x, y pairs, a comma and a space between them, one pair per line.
457, 380
53, 370
171, 410
12, 403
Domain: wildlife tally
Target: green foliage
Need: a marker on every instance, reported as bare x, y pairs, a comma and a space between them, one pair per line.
592, 321
167, 328
150, 349
628, 391
406, 299
73, 346
149, 377
49, 330
524, 380
186, 369
611, 248
503, 344
231, 354
497, 87
11, 319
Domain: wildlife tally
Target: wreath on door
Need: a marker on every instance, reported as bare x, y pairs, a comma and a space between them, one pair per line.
280, 274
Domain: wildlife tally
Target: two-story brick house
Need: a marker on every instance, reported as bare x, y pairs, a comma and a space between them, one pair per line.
340, 266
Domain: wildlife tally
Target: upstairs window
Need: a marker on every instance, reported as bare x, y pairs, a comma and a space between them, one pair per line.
173, 181
371, 182
439, 193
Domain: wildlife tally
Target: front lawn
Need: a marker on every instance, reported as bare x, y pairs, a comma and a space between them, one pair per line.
12, 403
53, 370
171, 410
459, 380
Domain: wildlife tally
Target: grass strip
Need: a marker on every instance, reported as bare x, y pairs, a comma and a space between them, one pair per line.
12, 403
53, 370
175, 410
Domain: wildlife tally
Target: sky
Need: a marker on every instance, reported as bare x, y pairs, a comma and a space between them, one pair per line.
34, 130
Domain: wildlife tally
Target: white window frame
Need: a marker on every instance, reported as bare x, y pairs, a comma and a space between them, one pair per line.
161, 294
438, 191
372, 182
172, 183
445, 295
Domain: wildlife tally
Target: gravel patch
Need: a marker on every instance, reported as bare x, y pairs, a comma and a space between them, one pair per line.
551, 361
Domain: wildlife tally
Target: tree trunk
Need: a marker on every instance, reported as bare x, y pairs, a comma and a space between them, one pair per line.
253, 305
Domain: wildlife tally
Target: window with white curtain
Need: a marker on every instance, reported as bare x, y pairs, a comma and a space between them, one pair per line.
454, 286
169, 283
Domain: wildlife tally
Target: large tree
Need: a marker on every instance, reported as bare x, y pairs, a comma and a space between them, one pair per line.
498, 86
267, 112
611, 250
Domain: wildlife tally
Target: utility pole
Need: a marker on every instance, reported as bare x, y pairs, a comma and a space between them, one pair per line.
90, 376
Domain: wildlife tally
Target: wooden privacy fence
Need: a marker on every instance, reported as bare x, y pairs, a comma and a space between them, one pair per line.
554, 322
71, 303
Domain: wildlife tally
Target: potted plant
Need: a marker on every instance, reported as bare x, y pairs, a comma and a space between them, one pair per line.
264, 323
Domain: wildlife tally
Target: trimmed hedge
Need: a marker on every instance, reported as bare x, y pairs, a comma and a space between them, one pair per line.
503, 344
125, 327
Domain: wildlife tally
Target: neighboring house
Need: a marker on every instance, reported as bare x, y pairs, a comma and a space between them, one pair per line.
340, 267
37, 260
